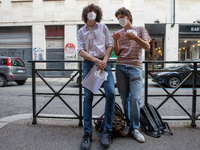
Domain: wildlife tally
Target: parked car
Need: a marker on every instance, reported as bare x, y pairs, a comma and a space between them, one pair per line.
12, 69
174, 78
76, 78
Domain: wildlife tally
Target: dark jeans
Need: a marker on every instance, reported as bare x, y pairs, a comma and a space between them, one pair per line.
109, 88
129, 83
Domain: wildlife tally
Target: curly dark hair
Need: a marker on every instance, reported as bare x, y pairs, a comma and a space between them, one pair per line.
89, 8
125, 12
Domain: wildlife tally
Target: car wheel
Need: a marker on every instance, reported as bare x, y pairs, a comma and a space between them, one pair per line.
173, 82
21, 82
3, 81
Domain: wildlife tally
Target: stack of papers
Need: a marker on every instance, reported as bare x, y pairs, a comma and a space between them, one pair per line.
92, 81
131, 31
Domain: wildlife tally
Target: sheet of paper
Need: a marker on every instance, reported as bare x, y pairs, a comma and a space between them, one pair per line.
91, 81
131, 31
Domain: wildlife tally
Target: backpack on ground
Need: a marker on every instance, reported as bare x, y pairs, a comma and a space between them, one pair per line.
119, 122
151, 122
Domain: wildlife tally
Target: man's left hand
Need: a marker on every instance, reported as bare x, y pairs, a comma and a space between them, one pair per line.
101, 65
130, 36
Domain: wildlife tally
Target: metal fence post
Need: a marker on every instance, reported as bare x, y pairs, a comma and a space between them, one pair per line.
80, 94
193, 124
33, 93
146, 84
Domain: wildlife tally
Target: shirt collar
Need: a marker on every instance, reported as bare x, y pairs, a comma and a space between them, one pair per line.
89, 28
128, 28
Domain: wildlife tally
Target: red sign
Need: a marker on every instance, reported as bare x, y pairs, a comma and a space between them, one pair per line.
69, 48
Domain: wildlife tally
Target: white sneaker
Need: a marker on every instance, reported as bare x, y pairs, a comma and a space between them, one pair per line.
125, 131
138, 136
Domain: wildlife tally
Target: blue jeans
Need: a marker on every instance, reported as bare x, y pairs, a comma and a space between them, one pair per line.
109, 88
129, 83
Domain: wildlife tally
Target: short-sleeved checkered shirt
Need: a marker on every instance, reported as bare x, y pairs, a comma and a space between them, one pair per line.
130, 51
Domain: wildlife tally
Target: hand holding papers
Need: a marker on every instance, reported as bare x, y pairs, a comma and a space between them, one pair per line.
131, 31
102, 75
94, 79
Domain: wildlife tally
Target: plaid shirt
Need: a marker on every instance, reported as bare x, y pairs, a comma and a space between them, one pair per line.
130, 51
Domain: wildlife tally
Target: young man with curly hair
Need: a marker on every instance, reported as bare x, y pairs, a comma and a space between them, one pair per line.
128, 45
95, 46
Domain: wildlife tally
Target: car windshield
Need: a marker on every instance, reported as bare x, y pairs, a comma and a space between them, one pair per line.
17, 62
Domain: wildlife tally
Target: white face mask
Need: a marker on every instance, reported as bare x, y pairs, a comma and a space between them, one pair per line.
91, 16
123, 22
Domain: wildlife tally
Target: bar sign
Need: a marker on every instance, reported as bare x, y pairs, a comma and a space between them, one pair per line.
195, 29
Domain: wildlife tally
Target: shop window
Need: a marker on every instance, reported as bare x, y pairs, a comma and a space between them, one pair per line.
21, 0
3, 61
189, 48
55, 32
155, 53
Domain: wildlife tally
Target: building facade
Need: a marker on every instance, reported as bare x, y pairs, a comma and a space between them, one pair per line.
47, 29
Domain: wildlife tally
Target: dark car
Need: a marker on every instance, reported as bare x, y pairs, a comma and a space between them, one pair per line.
12, 69
174, 78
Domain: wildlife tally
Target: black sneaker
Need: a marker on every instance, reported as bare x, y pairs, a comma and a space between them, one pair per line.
86, 142
106, 138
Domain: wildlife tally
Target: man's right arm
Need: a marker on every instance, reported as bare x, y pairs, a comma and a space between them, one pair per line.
87, 56
116, 37
81, 47
101, 65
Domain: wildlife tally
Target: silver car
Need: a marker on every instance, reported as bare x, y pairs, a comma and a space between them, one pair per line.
12, 69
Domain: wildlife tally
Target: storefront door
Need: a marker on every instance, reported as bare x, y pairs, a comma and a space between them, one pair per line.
156, 52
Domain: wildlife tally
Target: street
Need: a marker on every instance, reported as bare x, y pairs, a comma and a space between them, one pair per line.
18, 99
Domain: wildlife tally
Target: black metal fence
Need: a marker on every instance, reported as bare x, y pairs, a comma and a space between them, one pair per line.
193, 116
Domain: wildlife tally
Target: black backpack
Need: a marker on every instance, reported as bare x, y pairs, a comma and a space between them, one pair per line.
151, 122
119, 122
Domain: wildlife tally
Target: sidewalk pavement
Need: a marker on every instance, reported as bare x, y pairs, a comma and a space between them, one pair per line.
18, 133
